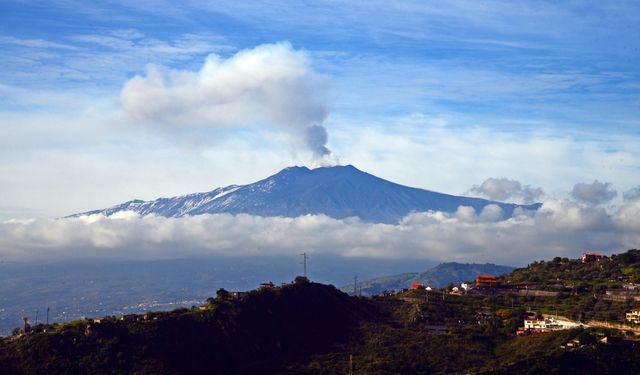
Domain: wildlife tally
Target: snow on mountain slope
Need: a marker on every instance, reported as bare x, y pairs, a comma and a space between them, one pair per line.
338, 192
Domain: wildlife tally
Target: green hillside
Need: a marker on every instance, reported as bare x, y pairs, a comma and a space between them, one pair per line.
608, 272
311, 328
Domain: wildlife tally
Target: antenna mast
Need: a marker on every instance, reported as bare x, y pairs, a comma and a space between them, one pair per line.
304, 262
355, 285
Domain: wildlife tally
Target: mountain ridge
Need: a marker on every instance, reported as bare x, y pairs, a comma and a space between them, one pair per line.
338, 192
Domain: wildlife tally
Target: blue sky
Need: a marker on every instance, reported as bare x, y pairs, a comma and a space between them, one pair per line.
438, 95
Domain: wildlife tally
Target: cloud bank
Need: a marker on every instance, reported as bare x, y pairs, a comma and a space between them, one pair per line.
593, 193
271, 84
504, 189
632, 194
558, 228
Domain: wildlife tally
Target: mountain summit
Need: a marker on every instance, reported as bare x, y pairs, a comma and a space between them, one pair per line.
338, 192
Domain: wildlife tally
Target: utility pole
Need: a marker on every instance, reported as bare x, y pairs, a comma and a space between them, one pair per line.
304, 262
36, 317
47, 315
350, 364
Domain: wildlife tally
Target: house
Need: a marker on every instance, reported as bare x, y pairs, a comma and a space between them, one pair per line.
416, 286
631, 286
129, 318
633, 316
536, 325
591, 257
239, 295
611, 340
485, 281
269, 285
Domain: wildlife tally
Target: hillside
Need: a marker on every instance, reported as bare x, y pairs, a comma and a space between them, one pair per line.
338, 192
253, 335
567, 274
438, 277
310, 328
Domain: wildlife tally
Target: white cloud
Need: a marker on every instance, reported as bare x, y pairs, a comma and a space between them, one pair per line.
271, 84
593, 193
34, 43
632, 194
503, 189
559, 228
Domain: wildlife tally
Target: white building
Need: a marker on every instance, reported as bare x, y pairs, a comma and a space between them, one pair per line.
542, 325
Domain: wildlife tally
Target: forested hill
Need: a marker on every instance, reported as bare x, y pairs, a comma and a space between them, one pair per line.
253, 334
310, 328
607, 272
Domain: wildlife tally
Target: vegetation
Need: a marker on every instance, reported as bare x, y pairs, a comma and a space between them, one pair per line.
582, 287
310, 328
572, 274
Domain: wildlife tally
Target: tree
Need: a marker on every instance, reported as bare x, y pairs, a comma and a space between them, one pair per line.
222, 294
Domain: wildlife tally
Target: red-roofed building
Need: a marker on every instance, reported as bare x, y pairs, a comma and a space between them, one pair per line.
416, 286
485, 281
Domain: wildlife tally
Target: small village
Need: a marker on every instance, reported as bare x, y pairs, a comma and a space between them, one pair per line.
535, 323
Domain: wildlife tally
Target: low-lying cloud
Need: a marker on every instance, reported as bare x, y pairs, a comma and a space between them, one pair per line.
269, 85
504, 189
593, 193
632, 194
558, 228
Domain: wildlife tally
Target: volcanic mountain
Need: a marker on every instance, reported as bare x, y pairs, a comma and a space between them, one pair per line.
338, 192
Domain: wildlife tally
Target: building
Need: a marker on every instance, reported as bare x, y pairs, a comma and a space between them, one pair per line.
239, 295
591, 257
485, 281
416, 286
536, 325
633, 316
269, 285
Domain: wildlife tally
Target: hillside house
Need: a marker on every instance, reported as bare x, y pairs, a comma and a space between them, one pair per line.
416, 286
269, 285
591, 257
633, 316
535, 325
485, 281
239, 295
